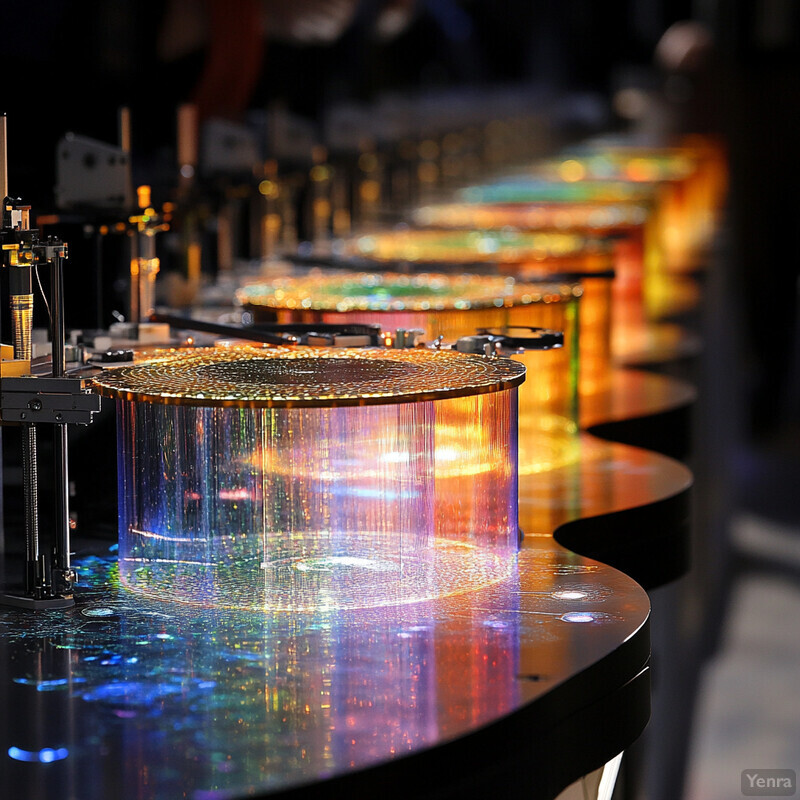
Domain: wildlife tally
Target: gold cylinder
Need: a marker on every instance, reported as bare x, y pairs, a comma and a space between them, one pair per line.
22, 324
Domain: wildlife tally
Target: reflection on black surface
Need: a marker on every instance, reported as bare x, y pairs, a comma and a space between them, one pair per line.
128, 698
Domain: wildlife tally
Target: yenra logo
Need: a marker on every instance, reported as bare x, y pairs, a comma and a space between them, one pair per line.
769, 782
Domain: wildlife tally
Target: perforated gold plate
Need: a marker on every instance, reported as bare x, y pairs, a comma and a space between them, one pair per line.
393, 292
249, 377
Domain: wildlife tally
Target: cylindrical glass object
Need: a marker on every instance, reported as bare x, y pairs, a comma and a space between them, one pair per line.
305, 479
684, 180
528, 256
625, 222
453, 306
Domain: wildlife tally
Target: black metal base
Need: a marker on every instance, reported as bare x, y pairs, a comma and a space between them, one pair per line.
23, 601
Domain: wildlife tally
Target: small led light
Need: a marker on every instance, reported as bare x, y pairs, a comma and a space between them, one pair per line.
45, 756
569, 595
578, 616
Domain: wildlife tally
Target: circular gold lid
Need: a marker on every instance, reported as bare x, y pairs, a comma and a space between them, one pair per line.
479, 246
284, 377
397, 292
590, 217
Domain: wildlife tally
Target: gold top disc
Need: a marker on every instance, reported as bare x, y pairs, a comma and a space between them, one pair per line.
397, 292
285, 377
477, 246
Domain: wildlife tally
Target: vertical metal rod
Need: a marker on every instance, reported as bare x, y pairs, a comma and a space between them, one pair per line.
125, 129
61, 546
61, 558
3, 159
30, 485
98, 271
58, 336
22, 327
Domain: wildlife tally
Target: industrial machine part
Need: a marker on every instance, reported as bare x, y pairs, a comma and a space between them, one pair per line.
32, 401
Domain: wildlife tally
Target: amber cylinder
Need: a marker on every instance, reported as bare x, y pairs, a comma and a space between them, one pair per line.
453, 306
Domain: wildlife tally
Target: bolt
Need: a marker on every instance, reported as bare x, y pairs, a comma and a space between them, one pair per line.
35, 405
59, 416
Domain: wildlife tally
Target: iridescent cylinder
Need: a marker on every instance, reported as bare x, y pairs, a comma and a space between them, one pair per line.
453, 306
528, 256
254, 479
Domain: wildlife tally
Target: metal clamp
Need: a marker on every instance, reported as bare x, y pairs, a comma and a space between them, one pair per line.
52, 401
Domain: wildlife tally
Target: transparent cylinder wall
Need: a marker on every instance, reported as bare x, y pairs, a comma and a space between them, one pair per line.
548, 399
450, 324
302, 509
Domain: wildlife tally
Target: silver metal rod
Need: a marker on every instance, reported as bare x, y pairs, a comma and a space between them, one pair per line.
58, 335
61, 544
30, 485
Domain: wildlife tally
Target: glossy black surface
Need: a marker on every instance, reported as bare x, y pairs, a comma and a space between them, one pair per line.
125, 698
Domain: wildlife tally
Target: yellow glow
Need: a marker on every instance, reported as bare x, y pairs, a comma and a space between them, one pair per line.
193, 260
268, 188
572, 171
320, 173
322, 208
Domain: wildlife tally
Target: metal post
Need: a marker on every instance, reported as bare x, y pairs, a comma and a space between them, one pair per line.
3, 159
61, 555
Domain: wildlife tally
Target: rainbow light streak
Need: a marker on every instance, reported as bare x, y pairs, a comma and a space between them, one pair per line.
286, 508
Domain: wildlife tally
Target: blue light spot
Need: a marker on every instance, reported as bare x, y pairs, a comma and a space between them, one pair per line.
131, 693
48, 686
97, 612
45, 756
114, 548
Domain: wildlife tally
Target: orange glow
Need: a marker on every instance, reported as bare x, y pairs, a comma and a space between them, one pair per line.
143, 196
